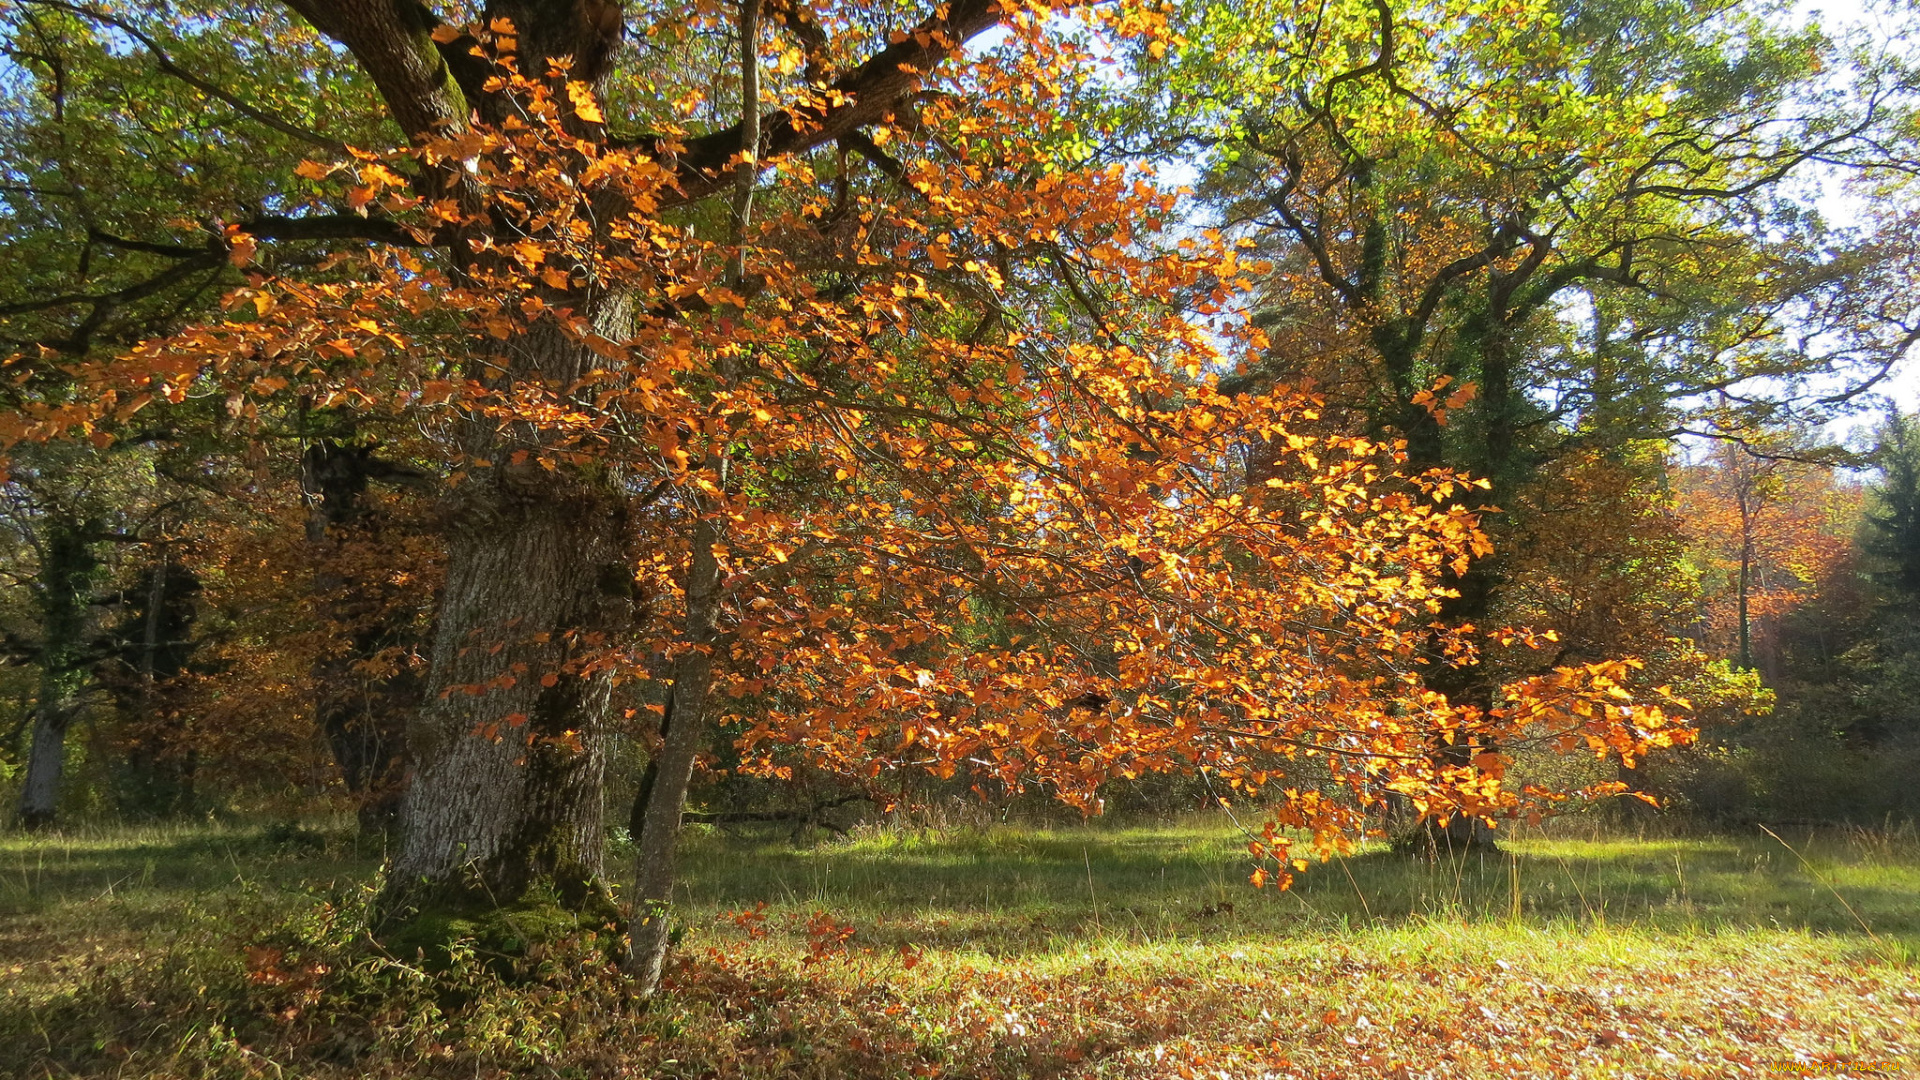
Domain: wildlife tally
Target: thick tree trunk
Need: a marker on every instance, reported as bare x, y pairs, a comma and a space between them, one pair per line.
507, 790
1485, 343
508, 748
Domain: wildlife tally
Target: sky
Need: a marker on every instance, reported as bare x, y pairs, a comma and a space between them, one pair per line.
1837, 204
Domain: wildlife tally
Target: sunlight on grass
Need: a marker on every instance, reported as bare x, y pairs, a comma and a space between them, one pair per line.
1019, 952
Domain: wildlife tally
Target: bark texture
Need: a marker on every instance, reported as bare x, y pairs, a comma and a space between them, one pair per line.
510, 743
509, 783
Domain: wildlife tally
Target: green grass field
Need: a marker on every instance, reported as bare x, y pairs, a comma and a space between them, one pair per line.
1010, 952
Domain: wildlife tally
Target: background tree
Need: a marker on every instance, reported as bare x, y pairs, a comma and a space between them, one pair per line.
1580, 221
1834, 637
68, 507
1770, 527
1892, 521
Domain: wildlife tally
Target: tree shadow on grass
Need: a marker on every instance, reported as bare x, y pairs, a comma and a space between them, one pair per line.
53, 871
1033, 893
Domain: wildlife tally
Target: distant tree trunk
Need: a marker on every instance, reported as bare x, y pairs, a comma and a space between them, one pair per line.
1743, 589
40, 795
150, 650
67, 565
363, 717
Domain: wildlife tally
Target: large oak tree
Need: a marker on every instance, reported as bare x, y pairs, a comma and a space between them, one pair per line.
801, 364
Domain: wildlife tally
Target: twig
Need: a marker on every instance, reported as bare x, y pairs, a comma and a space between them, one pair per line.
1088, 859
1815, 875
1364, 906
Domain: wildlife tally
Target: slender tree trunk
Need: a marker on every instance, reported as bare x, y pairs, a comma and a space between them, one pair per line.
1467, 686
1743, 588
66, 573
668, 775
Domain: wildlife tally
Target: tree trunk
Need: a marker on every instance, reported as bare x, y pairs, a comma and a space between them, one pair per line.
664, 792
67, 565
1484, 343
150, 651
684, 724
507, 791
40, 796
363, 717
1745, 584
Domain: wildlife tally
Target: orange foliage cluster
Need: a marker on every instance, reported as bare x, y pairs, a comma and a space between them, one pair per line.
1792, 520
982, 507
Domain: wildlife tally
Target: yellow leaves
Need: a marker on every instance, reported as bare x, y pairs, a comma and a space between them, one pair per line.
1429, 398
240, 246
528, 253
585, 105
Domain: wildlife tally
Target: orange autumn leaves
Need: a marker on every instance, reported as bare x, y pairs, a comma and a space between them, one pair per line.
984, 509
1787, 520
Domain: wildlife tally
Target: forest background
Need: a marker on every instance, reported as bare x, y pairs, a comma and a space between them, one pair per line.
533, 429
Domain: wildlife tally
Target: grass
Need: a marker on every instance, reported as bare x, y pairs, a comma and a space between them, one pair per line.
1011, 952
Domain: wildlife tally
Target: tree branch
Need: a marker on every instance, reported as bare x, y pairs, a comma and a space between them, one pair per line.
167, 66
866, 95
